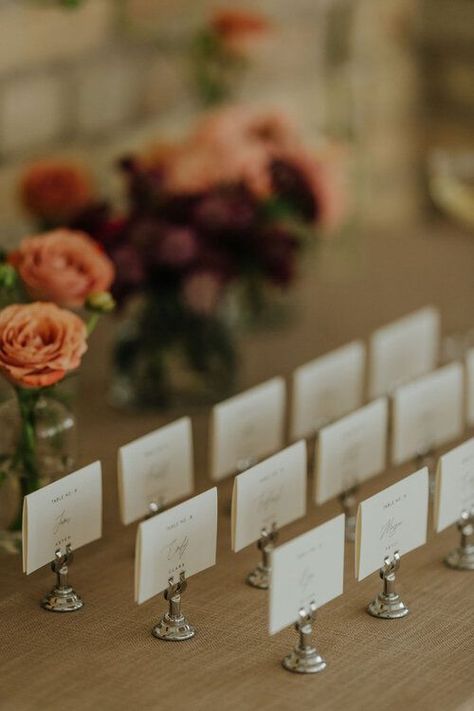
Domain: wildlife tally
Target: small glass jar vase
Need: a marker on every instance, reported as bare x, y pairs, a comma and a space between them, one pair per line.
37, 445
168, 357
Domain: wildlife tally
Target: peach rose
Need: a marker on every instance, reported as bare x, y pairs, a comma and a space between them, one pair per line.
55, 191
40, 343
63, 266
239, 30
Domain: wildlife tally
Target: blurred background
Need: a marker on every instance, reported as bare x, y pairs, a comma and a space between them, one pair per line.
394, 79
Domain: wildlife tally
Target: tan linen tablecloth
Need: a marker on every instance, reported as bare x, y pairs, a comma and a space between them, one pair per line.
104, 657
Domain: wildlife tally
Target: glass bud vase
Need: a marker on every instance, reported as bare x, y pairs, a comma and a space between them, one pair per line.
167, 357
37, 445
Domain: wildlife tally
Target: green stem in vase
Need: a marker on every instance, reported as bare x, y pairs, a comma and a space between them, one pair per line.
25, 458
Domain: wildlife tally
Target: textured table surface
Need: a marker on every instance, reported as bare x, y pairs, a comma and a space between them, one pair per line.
104, 657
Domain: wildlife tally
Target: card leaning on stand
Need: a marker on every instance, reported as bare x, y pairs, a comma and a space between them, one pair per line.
58, 519
247, 427
155, 470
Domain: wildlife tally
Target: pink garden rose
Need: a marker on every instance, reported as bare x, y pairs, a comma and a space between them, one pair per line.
63, 266
40, 343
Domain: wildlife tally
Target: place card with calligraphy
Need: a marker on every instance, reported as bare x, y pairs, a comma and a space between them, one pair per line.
351, 450
392, 521
247, 427
179, 541
403, 350
270, 494
427, 413
66, 513
155, 470
454, 485
327, 388
307, 572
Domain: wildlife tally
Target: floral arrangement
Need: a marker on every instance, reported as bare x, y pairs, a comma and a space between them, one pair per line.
230, 207
223, 50
43, 340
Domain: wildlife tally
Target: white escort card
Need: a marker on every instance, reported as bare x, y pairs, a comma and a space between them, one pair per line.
180, 540
327, 388
67, 512
155, 469
393, 520
309, 569
403, 350
454, 485
470, 387
272, 492
351, 450
247, 427
428, 413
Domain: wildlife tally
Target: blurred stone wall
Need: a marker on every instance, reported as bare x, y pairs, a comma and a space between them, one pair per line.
104, 78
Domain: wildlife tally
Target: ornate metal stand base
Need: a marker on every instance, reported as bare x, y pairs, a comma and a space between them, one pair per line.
173, 626
388, 607
304, 658
461, 559
62, 600
259, 578
62, 597
173, 629
304, 661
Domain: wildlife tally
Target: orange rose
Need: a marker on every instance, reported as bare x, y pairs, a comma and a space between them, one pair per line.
40, 343
239, 30
55, 191
63, 266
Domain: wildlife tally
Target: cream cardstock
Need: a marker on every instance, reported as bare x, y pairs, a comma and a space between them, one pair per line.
272, 492
155, 468
403, 350
310, 568
454, 485
470, 387
327, 388
248, 427
351, 450
395, 519
427, 412
180, 539
66, 512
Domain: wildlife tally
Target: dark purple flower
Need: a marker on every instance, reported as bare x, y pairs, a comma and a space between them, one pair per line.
130, 271
230, 212
176, 248
291, 185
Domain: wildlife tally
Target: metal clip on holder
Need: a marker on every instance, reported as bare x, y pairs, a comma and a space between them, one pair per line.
348, 501
304, 658
154, 508
388, 604
173, 626
62, 597
462, 558
260, 576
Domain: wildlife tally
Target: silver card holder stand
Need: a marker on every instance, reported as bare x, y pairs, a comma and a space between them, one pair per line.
173, 626
154, 508
348, 501
304, 658
426, 458
62, 597
462, 558
260, 576
388, 605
